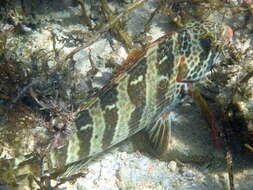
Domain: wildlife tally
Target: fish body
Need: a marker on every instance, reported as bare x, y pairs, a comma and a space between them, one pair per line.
154, 80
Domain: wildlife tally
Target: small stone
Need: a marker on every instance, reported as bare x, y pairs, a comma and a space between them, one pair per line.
188, 173
172, 166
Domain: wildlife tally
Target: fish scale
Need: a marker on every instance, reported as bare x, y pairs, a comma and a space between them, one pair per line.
154, 80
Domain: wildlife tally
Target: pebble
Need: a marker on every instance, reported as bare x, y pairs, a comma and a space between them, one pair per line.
172, 166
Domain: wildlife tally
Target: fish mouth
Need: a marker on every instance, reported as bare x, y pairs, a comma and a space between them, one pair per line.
225, 35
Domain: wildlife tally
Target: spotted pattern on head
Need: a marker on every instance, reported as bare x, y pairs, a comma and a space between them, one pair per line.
200, 44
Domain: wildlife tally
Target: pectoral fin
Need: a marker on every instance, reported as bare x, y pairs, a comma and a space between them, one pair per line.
159, 134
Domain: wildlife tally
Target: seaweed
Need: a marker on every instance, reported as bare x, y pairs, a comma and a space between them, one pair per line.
106, 28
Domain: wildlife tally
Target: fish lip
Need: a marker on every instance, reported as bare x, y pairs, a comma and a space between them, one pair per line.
227, 33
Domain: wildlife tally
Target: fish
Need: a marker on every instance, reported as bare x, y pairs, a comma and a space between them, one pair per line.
141, 96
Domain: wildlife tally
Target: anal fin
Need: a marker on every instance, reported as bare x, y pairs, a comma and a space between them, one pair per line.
159, 133
68, 171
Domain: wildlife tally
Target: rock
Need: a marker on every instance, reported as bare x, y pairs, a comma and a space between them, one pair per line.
172, 166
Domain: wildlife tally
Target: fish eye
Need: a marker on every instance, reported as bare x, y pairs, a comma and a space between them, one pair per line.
206, 43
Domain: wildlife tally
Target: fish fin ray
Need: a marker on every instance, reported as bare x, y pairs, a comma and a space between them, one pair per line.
159, 134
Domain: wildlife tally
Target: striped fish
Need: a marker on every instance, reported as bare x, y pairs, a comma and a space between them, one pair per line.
142, 95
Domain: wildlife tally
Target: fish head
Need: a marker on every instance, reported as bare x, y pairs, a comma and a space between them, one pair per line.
201, 44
